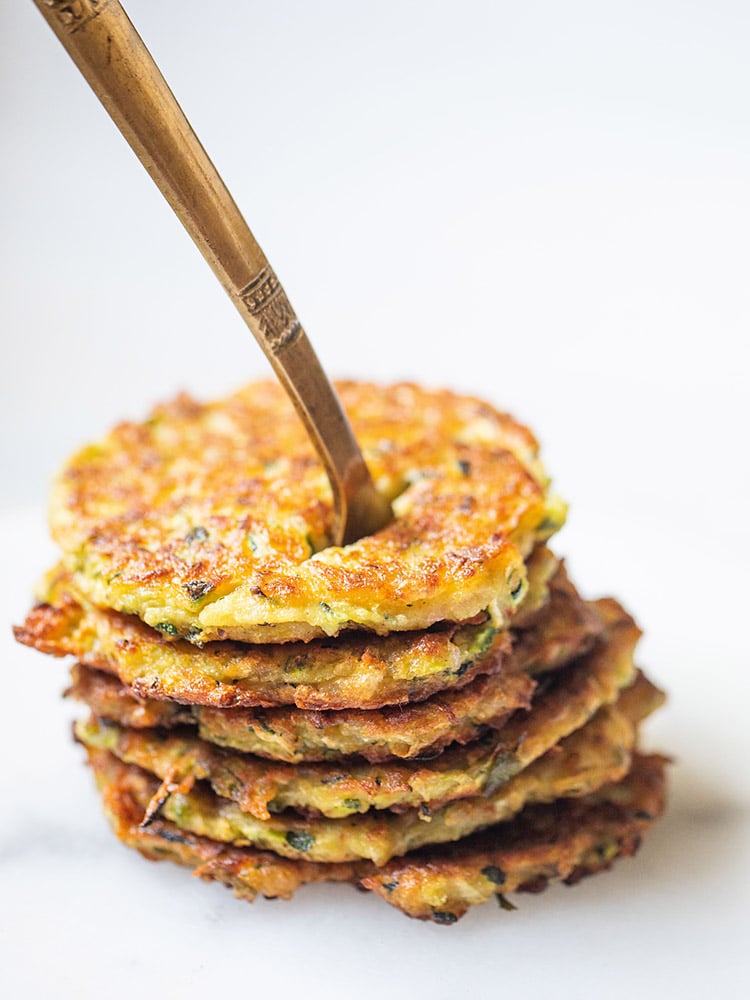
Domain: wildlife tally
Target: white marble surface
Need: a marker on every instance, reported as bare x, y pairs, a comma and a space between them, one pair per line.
560, 191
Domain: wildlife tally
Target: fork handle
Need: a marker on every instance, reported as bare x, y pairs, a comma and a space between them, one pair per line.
109, 52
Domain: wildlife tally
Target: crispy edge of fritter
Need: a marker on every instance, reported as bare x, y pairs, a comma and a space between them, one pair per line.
110, 699
126, 791
564, 627
49, 629
347, 787
541, 568
299, 736
356, 671
596, 754
563, 703
565, 840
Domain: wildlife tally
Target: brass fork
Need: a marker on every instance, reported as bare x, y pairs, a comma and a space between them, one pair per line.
103, 43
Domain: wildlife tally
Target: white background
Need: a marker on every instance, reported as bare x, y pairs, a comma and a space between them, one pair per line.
544, 203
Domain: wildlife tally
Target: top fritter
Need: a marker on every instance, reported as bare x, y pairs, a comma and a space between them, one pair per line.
210, 521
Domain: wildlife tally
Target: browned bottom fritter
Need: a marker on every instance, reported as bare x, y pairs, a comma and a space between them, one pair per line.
565, 840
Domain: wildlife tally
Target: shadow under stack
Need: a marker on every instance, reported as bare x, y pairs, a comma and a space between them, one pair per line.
432, 713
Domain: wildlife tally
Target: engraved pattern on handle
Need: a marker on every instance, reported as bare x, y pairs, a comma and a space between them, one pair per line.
265, 300
74, 14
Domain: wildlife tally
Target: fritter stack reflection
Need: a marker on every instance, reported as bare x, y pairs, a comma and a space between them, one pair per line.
432, 713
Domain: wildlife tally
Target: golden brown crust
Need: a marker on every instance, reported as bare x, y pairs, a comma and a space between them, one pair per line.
564, 627
204, 518
296, 736
345, 788
264, 788
384, 688
591, 757
354, 671
561, 841
111, 700
292, 735
126, 792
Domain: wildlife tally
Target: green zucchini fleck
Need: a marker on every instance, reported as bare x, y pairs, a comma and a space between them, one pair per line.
494, 874
300, 841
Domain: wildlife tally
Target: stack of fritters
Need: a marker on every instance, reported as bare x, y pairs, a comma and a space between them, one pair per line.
432, 713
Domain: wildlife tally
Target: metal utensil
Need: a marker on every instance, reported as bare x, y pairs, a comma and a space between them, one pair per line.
101, 40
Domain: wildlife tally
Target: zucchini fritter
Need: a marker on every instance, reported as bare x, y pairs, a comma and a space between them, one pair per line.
295, 735
542, 568
126, 791
564, 840
210, 521
563, 628
345, 788
111, 700
353, 671
594, 755
431, 713
357, 670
